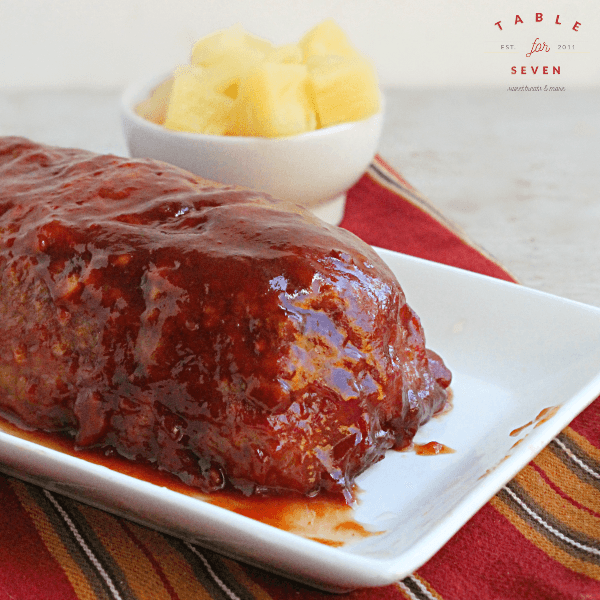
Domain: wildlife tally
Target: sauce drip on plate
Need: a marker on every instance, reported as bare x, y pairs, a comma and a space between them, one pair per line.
327, 519
432, 448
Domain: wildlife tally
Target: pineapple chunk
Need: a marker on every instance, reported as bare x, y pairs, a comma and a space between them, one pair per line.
240, 84
227, 73
230, 53
274, 101
196, 105
325, 39
344, 89
154, 108
233, 43
288, 53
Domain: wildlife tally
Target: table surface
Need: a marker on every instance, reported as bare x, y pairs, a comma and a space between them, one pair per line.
517, 172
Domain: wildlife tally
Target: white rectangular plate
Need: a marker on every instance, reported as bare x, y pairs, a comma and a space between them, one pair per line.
513, 352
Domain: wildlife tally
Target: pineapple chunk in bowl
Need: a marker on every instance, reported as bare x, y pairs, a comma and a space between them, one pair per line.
300, 121
314, 168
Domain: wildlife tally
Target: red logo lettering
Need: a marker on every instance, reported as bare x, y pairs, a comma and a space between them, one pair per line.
538, 47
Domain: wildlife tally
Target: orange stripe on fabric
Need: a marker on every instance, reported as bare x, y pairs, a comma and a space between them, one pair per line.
543, 543
240, 575
585, 445
153, 561
138, 570
53, 542
175, 567
561, 476
575, 519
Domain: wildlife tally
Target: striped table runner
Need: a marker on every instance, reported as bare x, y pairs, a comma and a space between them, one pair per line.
538, 538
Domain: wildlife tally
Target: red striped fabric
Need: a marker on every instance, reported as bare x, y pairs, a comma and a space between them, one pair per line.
384, 212
538, 538
26, 564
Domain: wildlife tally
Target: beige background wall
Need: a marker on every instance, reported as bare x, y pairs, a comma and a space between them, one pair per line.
106, 43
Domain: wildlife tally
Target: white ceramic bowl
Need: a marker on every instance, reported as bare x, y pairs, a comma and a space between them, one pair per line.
314, 169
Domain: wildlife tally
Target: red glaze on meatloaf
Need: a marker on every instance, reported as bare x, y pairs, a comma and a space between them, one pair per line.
230, 339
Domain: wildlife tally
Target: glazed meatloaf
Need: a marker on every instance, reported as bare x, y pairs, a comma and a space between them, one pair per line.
225, 337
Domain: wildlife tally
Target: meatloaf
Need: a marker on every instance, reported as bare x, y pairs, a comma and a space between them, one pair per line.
226, 337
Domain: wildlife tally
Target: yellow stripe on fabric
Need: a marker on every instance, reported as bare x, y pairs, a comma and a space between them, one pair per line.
140, 574
576, 519
245, 581
544, 544
583, 493
175, 567
53, 542
583, 443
